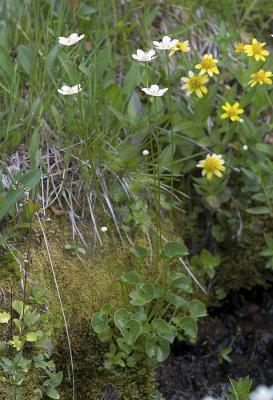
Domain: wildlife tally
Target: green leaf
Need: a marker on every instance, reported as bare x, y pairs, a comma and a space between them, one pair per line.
50, 61
124, 346
26, 56
131, 331
209, 260
30, 318
139, 251
197, 308
224, 354
180, 281
131, 278
177, 301
121, 316
134, 108
52, 393
18, 306
17, 342
4, 317
175, 250
143, 294
158, 349
161, 326
240, 389
86, 10
32, 336
259, 210
56, 379
99, 322
188, 324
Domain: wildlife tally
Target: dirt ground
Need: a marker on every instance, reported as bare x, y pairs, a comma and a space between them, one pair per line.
244, 323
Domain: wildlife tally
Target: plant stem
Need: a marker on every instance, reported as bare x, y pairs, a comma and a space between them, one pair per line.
159, 244
172, 133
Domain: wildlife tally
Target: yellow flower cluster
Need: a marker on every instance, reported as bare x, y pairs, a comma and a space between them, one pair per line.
195, 83
254, 49
213, 164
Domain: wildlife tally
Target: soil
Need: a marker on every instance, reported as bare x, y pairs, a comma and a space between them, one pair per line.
244, 322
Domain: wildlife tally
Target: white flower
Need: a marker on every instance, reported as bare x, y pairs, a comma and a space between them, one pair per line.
262, 393
209, 398
154, 91
104, 229
68, 90
145, 152
245, 147
70, 40
166, 44
144, 56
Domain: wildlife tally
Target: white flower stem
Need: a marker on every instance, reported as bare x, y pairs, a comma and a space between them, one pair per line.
172, 134
158, 187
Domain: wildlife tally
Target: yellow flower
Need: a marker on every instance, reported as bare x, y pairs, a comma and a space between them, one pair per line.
195, 83
255, 49
261, 77
212, 165
232, 112
180, 46
239, 47
208, 64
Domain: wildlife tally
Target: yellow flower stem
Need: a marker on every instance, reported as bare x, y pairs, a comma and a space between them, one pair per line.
172, 135
229, 132
268, 97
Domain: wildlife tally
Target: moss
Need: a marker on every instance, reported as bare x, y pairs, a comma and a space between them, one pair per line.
85, 286
91, 378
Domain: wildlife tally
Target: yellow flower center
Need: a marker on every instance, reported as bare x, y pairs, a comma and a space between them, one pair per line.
195, 82
207, 63
232, 111
240, 47
260, 76
257, 48
212, 164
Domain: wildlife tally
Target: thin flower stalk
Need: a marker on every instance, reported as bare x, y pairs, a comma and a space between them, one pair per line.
172, 133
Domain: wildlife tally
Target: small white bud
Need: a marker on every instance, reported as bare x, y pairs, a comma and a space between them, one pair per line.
245, 147
104, 229
145, 152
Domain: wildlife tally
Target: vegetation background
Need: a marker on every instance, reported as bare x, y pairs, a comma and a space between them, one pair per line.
81, 157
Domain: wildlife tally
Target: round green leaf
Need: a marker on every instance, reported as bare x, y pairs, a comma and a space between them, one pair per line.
158, 349
143, 294
197, 308
177, 301
180, 281
188, 324
139, 251
131, 331
121, 314
175, 250
161, 326
99, 322
131, 278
